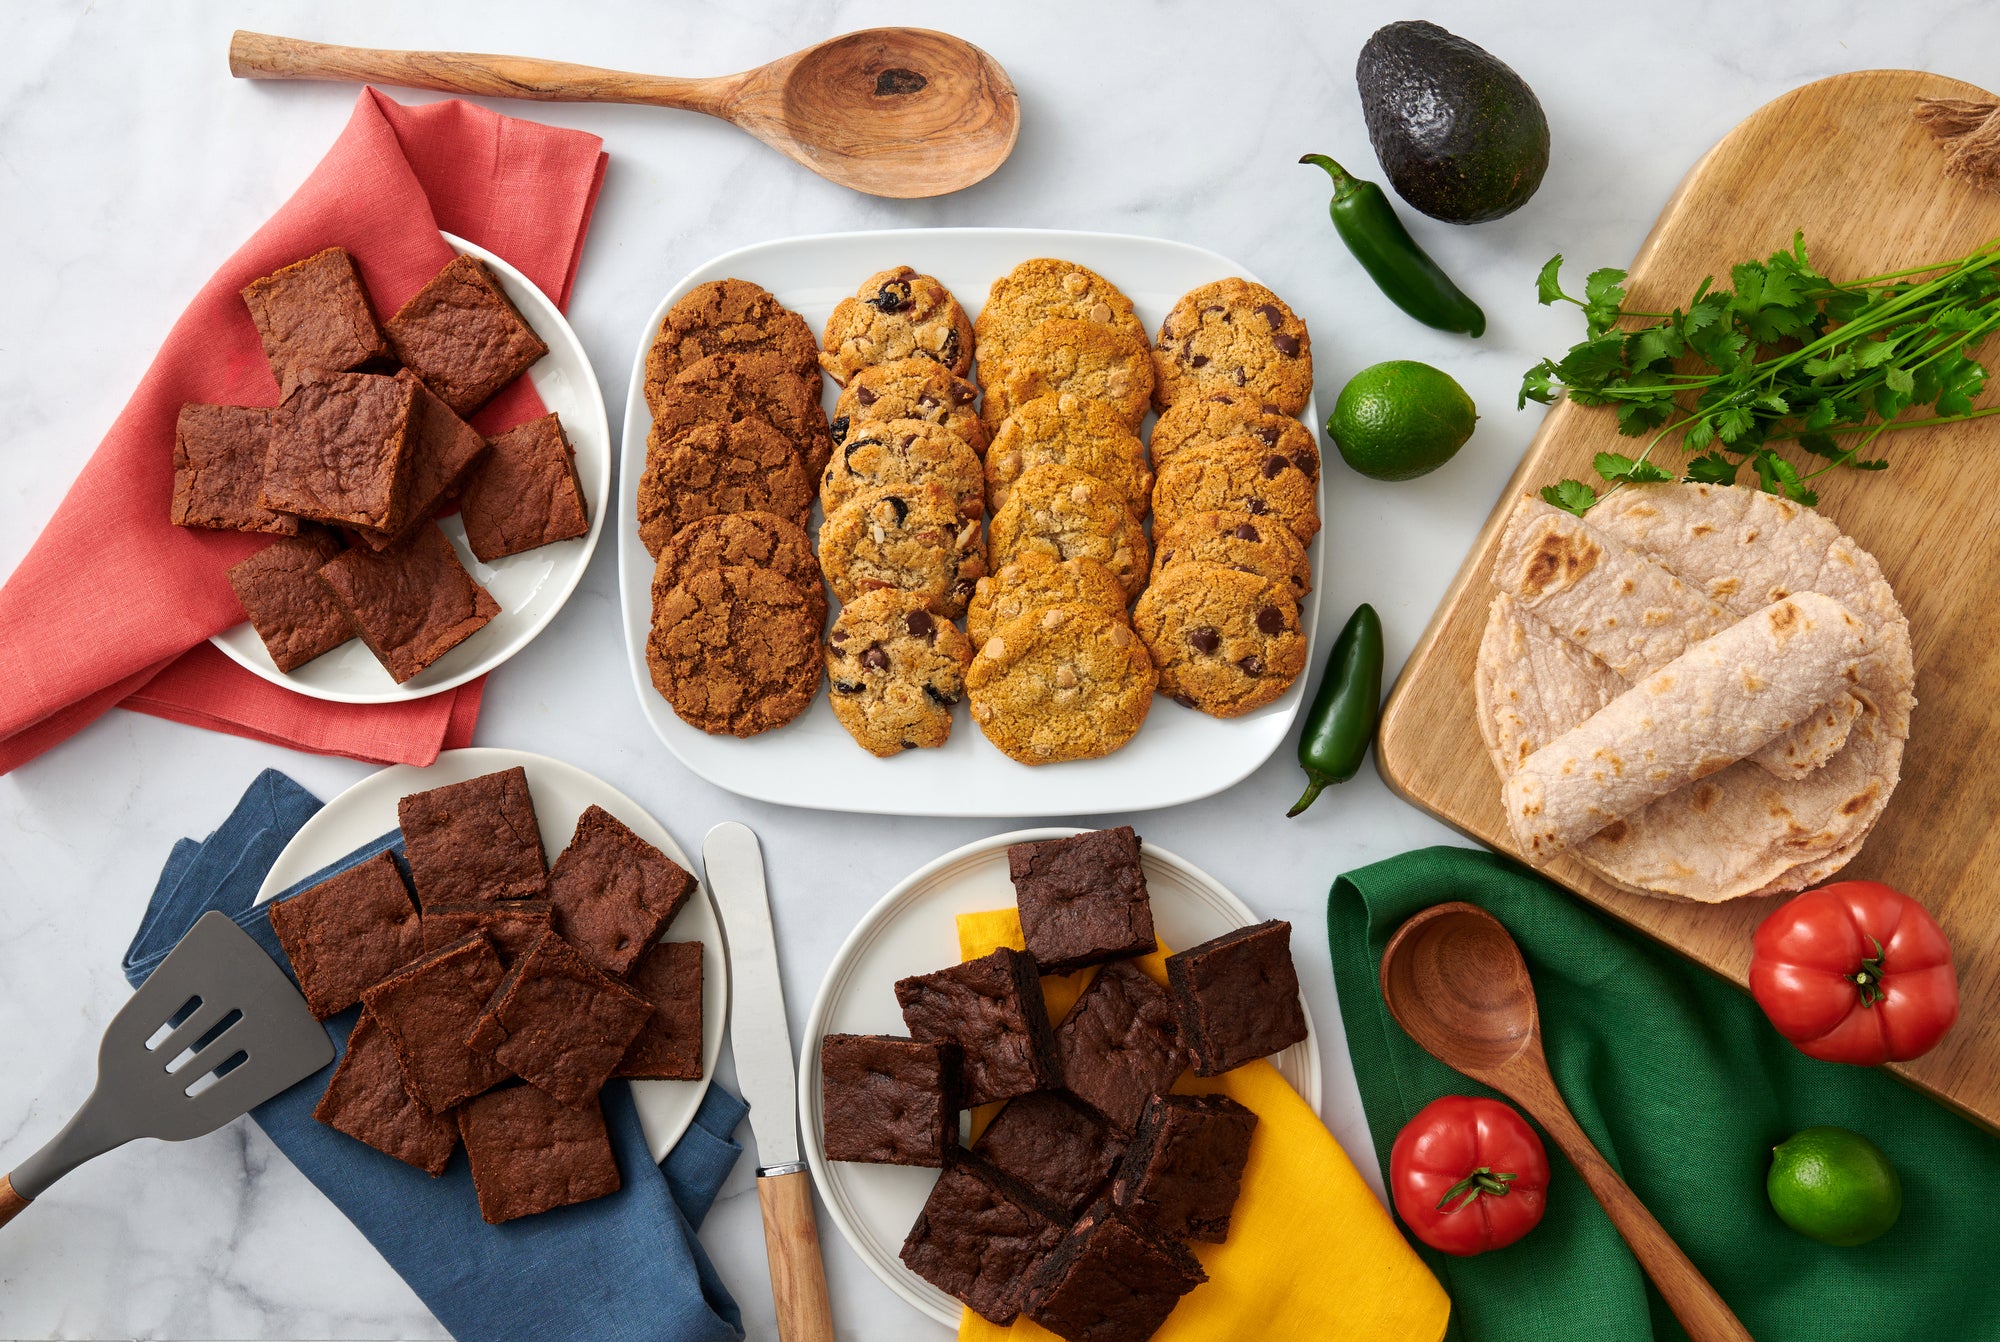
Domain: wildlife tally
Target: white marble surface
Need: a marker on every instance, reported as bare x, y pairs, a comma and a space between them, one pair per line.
132, 164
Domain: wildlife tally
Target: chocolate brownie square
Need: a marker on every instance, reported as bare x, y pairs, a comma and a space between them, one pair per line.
1184, 1168
1110, 1280
510, 924
559, 1022
369, 1100
340, 449
531, 1155
1237, 997
444, 451
1082, 899
288, 605
992, 1009
219, 453
429, 1009
1053, 1145
1120, 1043
613, 892
348, 933
979, 1235
463, 336
525, 494
669, 1046
412, 603
315, 314
476, 840
888, 1101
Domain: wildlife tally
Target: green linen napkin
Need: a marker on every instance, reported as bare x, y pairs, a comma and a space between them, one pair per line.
1685, 1088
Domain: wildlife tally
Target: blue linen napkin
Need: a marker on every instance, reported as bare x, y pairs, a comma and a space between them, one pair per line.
624, 1268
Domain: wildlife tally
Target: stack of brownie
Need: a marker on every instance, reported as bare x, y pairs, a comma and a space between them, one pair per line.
497, 1013
369, 441
1074, 1205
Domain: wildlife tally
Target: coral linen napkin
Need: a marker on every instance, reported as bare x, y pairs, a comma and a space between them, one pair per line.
114, 605
1311, 1255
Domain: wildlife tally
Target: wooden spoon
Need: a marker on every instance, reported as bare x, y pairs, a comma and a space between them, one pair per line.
902, 112
1455, 981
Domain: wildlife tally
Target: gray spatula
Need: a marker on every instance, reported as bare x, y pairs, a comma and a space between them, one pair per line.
217, 1030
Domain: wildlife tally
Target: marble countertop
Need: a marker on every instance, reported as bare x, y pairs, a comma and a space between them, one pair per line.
133, 165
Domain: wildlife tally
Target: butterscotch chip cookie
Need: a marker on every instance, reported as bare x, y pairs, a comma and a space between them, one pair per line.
1090, 360
1236, 475
903, 452
896, 668
728, 317
1223, 641
1233, 335
1035, 579
1066, 430
911, 389
1033, 292
746, 540
908, 537
728, 387
1068, 515
1065, 682
735, 650
1219, 415
1239, 541
896, 314
719, 466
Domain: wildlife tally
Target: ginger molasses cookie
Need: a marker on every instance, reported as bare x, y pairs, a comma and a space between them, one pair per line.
896, 314
1224, 641
719, 466
1233, 335
1037, 290
1035, 579
1236, 540
1088, 359
908, 537
911, 389
728, 317
1066, 514
1219, 415
896, 668
735, 650
1236, 475
752, 539
1067, 430
730, 386
1061, 683
903, 452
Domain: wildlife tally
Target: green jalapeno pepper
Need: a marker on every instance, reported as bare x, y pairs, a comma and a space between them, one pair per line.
1392, 258
1342, 720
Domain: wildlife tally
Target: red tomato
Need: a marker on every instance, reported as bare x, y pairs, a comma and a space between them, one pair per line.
1855, 972
1468, 1174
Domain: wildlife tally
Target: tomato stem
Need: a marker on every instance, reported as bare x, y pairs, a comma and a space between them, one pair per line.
1481, 1180
1868, 978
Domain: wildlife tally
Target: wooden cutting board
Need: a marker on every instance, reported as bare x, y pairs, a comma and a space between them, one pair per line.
1843, 161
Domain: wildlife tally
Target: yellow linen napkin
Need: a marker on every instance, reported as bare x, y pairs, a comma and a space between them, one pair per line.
1311, 1255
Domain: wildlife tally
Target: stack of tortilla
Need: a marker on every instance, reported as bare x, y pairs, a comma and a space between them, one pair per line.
1699, 691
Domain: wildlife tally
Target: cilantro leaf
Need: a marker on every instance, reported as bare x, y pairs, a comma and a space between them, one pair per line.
1548, 289
1614, 468
1572, 496
1712, 469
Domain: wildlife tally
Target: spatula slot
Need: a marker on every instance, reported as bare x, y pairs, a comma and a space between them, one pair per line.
208, 1036
174, 1022
210, 1078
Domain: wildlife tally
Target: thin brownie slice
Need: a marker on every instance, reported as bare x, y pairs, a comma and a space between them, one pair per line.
1083, 899
340, 449
978, 1236
559, 1022
476, 840
525, 494
443, 453
1054, 1146
530, 1154
411, 604
429, 1009
463, 336
369, 1100
1237, 996
219, 453
1120, 1043
1185, 1165
613, 892
348, 933
669, 1046
1110, 1280
510, 924
288, 605
992, 1009
888, 1101
315, 314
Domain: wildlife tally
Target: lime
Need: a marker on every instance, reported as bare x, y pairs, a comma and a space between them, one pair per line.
1834, 1186
1399, 420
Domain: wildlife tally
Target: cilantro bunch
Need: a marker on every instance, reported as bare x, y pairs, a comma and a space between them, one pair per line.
1784, 355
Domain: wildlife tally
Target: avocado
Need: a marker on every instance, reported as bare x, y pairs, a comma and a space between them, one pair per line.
1461, 136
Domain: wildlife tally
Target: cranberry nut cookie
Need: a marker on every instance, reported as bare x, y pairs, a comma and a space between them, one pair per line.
896, 314
896, 668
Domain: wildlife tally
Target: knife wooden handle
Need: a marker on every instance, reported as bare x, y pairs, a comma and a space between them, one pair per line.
791, 1242
12, 1204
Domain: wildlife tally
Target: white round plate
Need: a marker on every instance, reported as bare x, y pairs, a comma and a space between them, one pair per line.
561, 793
531, 586
914, 930
1179, 756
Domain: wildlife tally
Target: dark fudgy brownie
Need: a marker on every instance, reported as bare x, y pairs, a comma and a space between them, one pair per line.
429, 1009
613, 892
1184, 1168
1238, 997
669, 1045
1083, 899
559, 1022
348, 933
370, 1102
979, 1235
476, 840
444, 449
1120, 1043
888, 1101
1110, 1280
510, 924
526, 494
288, 605
1054, 1146
412, 603
219, 453
463, 336
992, 1009
315, 314
530, 1154
340, 449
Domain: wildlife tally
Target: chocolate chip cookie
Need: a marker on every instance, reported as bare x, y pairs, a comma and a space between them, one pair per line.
1067, 514
741, 540
1223, 641
1067, 430
1236, 475
1037, 290
1239, 541
1035, 579
896, 668
719, 466
1061, 683
1233, 335
1219, 415
911, 389
903, 452
735, 650
728, 317
896, 314
1091, 360
725, 387
908, 537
